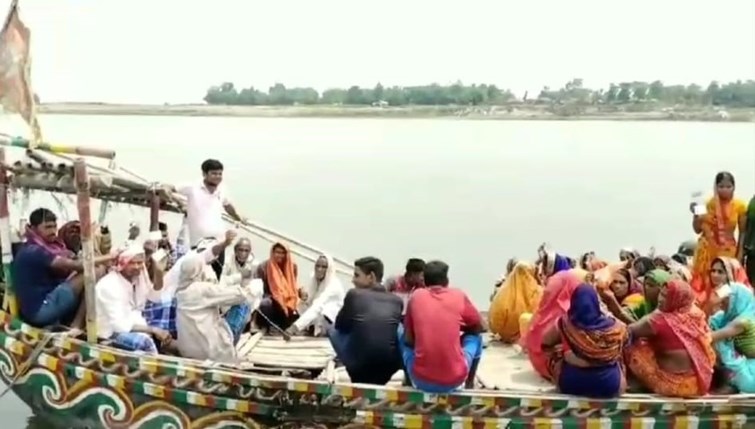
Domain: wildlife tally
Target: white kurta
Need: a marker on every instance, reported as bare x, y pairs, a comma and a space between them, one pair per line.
117, 305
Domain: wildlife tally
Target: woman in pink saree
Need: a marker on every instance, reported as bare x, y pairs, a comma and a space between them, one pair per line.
555, 303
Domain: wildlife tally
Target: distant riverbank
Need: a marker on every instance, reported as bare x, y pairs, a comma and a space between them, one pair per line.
517, 111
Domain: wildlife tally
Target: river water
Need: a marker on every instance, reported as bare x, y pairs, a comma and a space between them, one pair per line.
473, 193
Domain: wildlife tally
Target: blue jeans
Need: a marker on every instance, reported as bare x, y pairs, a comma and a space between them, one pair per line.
60, 304
237, 317
340, 342
471, 346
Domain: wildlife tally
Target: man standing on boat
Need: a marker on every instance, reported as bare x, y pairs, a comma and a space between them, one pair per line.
206, 201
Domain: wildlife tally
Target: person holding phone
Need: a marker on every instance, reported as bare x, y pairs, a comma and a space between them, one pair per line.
721, 232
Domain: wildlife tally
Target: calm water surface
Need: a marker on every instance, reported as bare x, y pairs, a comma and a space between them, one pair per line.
473, 193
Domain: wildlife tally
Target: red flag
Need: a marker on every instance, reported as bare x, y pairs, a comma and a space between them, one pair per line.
15, 71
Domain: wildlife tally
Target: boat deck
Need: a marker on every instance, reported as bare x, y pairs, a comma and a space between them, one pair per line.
503, 367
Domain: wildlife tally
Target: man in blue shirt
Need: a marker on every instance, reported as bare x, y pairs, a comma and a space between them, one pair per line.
47, 280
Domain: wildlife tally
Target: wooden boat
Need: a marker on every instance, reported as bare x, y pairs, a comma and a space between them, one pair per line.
64, 377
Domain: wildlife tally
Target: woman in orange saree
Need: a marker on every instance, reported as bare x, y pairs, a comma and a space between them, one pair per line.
724, 216
554, 303
672, 353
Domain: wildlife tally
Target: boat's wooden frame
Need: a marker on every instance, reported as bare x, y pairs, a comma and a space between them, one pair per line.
67, 378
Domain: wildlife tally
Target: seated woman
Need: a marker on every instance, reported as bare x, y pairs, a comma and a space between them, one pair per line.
282, 293
203, 333
590, 262
633, 307
120, 296
518, 296
324, 299
671, 353
586, 348
551, 262
734, 329
555, 303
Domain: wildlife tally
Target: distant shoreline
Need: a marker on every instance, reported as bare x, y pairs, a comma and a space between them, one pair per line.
514, 111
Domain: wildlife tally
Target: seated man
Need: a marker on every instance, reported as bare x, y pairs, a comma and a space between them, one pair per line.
47, 280
364, 335
436, 359
242, 266
405, 284
120, 296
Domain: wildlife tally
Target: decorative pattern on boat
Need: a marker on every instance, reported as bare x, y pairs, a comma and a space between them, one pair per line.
96, 386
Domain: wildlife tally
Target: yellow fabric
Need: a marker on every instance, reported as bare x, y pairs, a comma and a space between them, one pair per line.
519, 294
524, 323
633, 300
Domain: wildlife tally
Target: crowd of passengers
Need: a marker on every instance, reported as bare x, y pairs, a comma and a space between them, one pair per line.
664, 324
154, 295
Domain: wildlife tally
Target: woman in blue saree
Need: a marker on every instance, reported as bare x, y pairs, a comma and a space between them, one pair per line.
586, 349
734, 332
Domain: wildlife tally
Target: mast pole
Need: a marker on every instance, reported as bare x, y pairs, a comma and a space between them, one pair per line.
5, 238
83, 205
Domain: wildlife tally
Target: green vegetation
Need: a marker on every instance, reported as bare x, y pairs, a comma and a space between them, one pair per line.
642, 95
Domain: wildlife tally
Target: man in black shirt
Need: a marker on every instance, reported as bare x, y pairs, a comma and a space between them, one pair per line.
364, 335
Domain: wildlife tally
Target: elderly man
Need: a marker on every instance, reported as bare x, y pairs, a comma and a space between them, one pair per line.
242, 266
120, 297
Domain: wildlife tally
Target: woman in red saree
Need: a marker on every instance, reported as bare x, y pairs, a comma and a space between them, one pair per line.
672, 354
724, 217
554, 303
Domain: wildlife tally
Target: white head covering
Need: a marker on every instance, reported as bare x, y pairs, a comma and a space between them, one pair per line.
129, 253
313, 288
191, 270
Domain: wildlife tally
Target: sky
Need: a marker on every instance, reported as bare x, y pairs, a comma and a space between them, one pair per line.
171, 51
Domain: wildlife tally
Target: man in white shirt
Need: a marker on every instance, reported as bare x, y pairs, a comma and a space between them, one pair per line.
118, 297
206, 202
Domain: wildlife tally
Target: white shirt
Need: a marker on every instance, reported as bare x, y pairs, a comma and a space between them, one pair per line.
204, 211
170, 279
202, 332
117, 309
325, 301
232, 271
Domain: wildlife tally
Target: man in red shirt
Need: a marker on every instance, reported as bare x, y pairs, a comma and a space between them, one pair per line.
440, 339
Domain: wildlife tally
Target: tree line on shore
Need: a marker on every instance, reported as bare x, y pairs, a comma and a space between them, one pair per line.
732, 94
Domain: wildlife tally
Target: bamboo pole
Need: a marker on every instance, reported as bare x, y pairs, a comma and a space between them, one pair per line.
5, 237
87, 245
6, 140
154, 211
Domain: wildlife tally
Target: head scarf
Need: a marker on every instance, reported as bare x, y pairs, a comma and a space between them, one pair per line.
591, 334
735, 273
556, 263
126, 256
191, 270
314, 287
57, 247
520, 293
659, 276
282, 280
69, 229
690, 325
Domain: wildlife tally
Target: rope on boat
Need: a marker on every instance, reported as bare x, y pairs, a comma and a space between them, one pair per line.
24, 368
